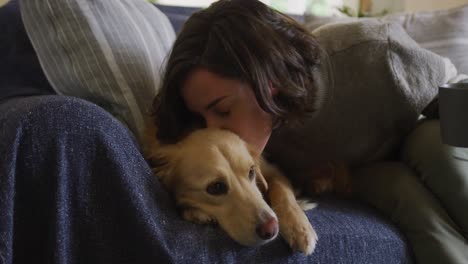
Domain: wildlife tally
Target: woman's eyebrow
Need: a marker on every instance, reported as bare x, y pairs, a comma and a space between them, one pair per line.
214, 102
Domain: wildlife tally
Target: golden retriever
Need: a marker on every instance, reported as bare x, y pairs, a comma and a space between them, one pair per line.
215, 178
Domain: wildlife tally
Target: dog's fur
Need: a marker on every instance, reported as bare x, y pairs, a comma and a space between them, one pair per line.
210, 156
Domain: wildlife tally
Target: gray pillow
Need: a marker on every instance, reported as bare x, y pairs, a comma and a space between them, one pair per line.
444, 32
312, 22
109, 52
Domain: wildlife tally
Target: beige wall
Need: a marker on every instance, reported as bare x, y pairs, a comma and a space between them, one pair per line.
391, 6
2, 2
414, 5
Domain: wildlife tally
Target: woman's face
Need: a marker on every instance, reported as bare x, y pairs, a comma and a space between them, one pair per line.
228, 104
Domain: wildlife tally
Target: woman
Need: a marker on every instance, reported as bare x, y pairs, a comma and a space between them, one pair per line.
349, 92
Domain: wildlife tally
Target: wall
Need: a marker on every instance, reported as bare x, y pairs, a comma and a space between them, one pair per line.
2, 2
391, 6
414, 5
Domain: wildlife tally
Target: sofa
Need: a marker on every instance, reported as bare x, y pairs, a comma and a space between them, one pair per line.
118, 212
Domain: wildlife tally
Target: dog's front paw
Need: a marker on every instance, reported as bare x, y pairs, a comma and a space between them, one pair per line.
297, 231
197, 216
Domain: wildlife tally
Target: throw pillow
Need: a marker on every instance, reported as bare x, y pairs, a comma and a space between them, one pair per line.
312, 22
444, 32
108, 52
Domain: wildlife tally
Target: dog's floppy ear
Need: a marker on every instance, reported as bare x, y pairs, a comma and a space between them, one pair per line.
162, 160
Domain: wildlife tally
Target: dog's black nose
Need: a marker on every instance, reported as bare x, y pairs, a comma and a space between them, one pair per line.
268, 229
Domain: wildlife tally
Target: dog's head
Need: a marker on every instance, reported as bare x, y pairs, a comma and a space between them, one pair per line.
215, 178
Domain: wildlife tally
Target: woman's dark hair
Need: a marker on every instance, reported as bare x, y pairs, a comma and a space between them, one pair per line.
243, 40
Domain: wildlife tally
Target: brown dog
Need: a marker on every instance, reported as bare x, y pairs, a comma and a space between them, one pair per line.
216, 178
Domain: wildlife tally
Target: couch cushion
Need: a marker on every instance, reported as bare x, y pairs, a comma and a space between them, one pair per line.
444, 32
177, 14
20, 71
108, 52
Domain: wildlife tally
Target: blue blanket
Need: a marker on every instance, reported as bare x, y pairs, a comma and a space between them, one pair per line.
74, 188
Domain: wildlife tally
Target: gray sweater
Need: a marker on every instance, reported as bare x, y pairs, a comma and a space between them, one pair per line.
373, 83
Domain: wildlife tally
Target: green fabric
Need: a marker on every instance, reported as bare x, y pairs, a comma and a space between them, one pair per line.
442, 168
426, 195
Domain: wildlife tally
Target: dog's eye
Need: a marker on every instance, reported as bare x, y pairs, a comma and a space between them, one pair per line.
252, 173
217, 188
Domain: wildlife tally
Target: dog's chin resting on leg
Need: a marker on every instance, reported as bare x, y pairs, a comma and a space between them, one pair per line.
215, 178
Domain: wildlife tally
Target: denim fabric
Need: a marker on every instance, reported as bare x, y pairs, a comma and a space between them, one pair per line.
74, 188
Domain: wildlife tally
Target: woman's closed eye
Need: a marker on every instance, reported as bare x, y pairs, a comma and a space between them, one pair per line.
222, 113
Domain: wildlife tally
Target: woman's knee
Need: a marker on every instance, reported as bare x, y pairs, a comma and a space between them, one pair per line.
394, 189
424, 150
441, 166
424, 145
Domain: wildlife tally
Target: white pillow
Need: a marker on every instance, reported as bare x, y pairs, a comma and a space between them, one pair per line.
109, 52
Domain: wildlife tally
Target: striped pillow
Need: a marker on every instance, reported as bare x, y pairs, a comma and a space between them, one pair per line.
109, 52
